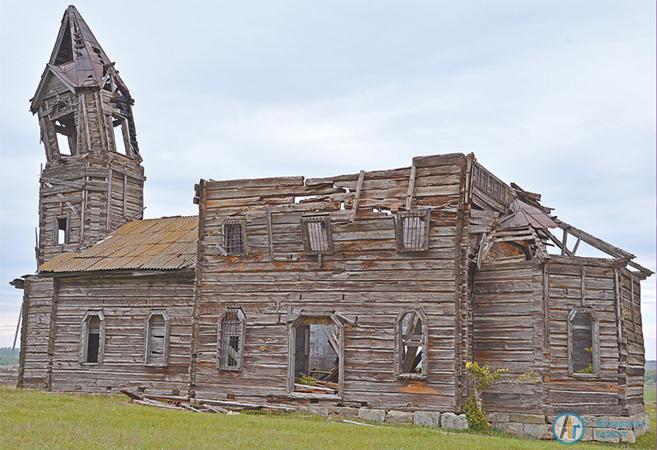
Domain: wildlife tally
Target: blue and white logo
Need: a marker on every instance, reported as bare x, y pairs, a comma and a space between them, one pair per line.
568, 428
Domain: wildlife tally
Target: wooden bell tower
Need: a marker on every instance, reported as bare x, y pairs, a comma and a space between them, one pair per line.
93, 179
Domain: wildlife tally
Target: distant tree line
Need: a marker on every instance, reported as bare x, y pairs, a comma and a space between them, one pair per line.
5, 353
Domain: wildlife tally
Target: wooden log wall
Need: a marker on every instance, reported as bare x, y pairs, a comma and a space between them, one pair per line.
35, 332
508, 331
633, 361
97, 194
126, 302
365, 278
605, 393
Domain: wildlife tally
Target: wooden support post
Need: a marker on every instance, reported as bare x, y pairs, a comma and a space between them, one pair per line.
270, 238
359, 186
564, 241
576, 245
411, 187
583, 287
18, 326
619, 322
109, 200
546, 306
125, 194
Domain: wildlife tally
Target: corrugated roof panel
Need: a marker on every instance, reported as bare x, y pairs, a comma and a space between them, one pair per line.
165, 243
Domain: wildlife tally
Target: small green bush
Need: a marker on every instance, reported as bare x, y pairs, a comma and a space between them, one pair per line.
476, 416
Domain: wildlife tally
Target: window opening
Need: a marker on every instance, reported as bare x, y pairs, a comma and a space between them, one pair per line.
231, 341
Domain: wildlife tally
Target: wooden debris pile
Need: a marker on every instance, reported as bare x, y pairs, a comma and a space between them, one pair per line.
201, 405
312, 385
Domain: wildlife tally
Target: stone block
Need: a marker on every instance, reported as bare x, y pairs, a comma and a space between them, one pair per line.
606, 435
509, 427
454, 421
374, 415
527, 418
344, 411
628, 436
317, 410
498, 417
426, 418
535, 430
394, 416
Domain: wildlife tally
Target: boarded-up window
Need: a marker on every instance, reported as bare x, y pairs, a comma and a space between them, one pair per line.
231, 339
93, 337
412, 230
411, 340
582, 343
317, 235
157, 339
234, 237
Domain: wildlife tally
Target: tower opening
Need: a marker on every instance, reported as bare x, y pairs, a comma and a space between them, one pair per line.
67, 135
65, 50
118, 128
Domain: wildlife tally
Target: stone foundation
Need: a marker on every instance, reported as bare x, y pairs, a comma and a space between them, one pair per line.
535, 426
596, 428
434, 419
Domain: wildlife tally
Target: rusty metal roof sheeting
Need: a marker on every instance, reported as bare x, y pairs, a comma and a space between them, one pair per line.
167, 243
523, 215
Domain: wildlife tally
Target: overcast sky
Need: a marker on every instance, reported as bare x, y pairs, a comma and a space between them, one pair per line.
557, 95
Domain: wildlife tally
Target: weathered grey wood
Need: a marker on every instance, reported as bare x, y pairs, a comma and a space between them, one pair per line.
359, 187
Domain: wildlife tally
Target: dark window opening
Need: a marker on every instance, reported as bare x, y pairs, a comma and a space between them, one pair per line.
412, 345
316, 356
67, 135
93, 339
62, 230
582, 343
317, 235
234, 237
412, 230
65, 51
156, 340
231, 339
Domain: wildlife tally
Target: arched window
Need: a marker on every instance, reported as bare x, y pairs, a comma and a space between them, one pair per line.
583, 343
92, 339
411, 344
156, 352
230, 347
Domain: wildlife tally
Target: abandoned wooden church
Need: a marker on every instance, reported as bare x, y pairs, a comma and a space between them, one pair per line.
368, 290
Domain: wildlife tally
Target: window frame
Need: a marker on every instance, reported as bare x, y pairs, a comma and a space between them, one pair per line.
147, 342
67, 231
399, 344
68, 132
220, 340
400, 217
304, 318
84, 338
595, 342
305, 232
124, 135
234, 221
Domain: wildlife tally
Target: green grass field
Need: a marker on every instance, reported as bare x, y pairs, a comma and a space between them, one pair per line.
32, 419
